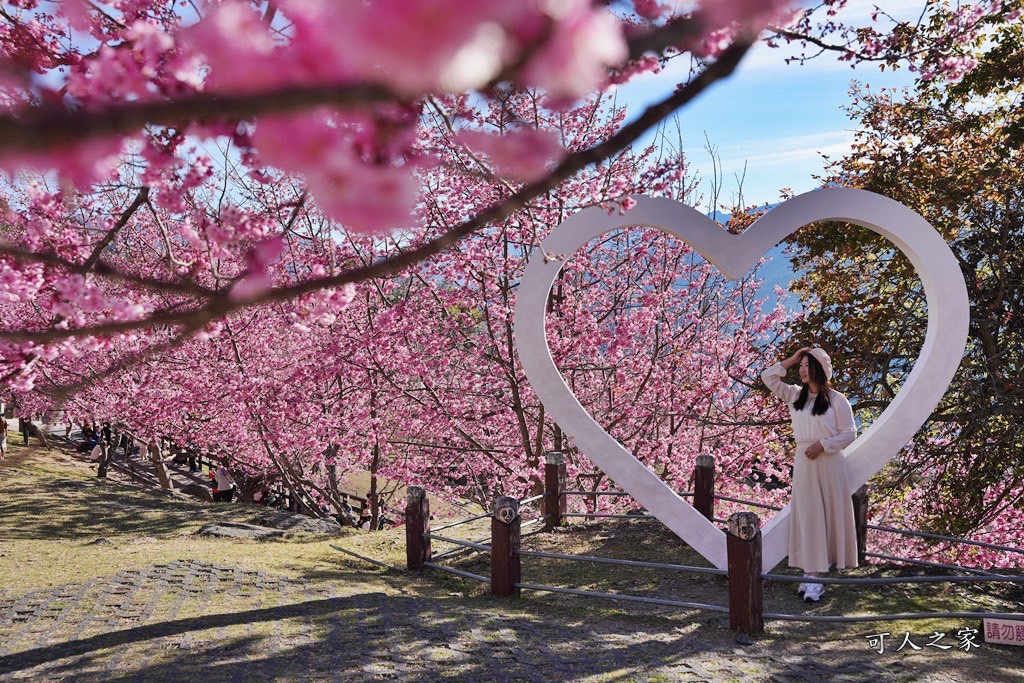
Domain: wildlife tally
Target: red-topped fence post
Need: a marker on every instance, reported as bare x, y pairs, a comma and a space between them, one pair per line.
506, 568
554, 489
704, 486
417, 527
746, 592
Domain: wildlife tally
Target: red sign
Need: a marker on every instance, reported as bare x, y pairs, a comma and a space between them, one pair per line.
1004, 631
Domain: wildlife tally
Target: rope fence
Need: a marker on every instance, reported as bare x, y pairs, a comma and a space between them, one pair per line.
940, 537
461, 548
458, 572
856, 618
627, 598
937, 565
625, 563
464, 521
745, 575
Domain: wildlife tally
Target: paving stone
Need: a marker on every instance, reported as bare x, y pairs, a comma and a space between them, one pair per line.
188, 620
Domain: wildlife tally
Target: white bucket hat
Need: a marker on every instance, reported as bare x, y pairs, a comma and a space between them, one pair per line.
823, 358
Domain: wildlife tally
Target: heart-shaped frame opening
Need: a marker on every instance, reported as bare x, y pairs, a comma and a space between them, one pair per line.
734, 256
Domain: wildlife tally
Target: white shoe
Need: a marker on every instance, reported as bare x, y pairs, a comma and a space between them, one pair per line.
802, 589
814, 592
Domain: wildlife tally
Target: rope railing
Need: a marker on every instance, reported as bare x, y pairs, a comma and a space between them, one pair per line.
627, 563
458, 572
744, 555
594, 493
937, 565
627, 598
609, 515
460, 549
368, 559
537, 520
940, 537
854, 618
461, 522
748, 502
683, 494
455, 541
873, 527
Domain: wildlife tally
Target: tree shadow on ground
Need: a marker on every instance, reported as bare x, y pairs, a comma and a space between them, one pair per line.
378, 637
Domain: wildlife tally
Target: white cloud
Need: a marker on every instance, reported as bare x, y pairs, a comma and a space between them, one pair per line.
770, 152
770, 164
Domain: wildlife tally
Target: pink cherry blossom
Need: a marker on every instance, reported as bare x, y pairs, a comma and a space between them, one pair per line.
522, 154
585, 41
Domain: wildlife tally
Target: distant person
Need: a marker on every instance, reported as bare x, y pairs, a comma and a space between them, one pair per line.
822, 531
3, 436
225, 485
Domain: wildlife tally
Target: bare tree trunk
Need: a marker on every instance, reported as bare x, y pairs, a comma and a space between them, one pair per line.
371, 497
101, 468
158, 463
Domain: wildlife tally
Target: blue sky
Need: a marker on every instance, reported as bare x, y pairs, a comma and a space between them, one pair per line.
776, 118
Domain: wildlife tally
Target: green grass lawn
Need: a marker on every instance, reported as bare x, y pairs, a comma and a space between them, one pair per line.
60, 525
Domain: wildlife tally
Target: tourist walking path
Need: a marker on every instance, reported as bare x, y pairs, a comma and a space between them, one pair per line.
85, 597
139, 470
150, 625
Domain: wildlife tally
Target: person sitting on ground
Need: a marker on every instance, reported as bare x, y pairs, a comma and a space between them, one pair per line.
88, 445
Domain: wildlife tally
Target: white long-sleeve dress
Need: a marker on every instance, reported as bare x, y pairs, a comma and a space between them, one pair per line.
822, 532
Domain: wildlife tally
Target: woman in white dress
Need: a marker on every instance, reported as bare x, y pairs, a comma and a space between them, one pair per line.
822, 532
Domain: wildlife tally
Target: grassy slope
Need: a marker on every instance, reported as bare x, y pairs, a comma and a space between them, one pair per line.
60, 525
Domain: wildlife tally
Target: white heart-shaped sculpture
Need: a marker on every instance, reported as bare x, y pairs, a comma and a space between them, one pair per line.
735, 255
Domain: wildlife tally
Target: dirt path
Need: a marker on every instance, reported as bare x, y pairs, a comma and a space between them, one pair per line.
106, 582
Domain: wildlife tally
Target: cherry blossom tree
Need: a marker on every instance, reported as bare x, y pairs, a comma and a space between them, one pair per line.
194, 191
414, 379
87, 83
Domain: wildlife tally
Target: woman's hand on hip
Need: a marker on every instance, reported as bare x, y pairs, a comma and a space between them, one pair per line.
814, 451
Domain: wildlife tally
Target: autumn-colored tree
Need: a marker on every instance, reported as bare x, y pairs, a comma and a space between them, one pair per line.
951, 155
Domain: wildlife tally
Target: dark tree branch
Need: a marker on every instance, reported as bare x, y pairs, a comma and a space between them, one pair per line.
220, 303
52, 126
140, 199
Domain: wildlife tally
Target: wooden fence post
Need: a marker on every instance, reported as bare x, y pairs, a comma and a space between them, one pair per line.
417, 523
554, 489
704, 486
860, 517
506, 569
746, 594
